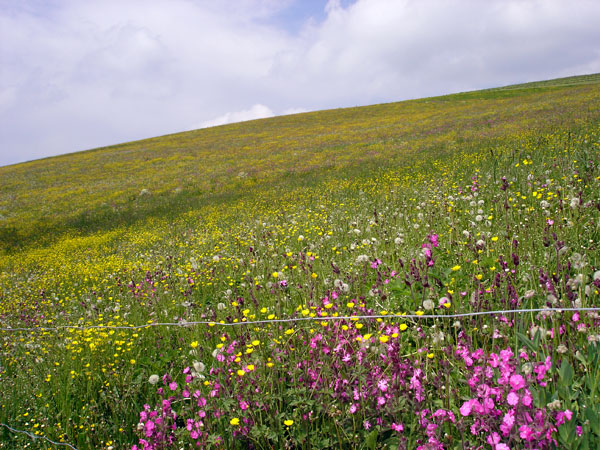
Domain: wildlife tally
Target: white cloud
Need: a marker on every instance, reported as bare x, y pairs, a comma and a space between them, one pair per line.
79, 74
257, 111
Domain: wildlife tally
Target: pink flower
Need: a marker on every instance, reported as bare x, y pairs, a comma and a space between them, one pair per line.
398, 427
526, 432
466, 408
502, 447
173, 386
507, 422
561, 416
493, 439
149, 428
382, 385
517, 382
512, 399
494, 360
527, 400
353, 408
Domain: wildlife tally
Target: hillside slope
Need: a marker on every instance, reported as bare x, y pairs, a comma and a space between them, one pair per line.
422, 274
100, 189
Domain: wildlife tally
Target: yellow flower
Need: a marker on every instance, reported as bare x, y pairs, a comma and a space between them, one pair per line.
455, 268
430, 355
241, 373
275, 274
383, 339
314, 275
403, 327
235, 421
194, 344
250, 367
288, 423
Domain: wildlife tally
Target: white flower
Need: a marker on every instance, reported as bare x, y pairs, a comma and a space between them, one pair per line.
216, 258
574, 203
478, 217
199, 366
428, 305
438, 337
398, 241
554, 405
153, 379
221, 306
362, 258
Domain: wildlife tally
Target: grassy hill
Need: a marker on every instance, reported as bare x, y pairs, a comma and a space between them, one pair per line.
465, 203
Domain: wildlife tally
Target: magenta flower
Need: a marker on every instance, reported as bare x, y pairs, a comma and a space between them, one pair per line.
382, 385
466, 408
508, 422
397, 427
526, 432
512, 399
517, 382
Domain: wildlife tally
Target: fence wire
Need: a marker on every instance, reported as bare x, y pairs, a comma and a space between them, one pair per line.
297, 319
36, 437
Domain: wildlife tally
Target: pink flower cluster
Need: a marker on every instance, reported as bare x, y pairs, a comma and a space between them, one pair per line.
502, 406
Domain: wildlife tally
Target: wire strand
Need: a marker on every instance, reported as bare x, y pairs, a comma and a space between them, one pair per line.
298, 319
34, 437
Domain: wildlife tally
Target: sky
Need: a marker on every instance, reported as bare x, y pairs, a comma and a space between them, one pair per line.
81, 74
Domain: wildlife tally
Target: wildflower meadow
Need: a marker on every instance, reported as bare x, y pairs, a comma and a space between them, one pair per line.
415, 275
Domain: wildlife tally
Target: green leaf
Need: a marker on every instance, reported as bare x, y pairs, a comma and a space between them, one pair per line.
527, 342
371, 440
592, 416
566, 372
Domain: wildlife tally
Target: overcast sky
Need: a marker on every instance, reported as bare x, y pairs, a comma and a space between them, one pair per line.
79, 74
